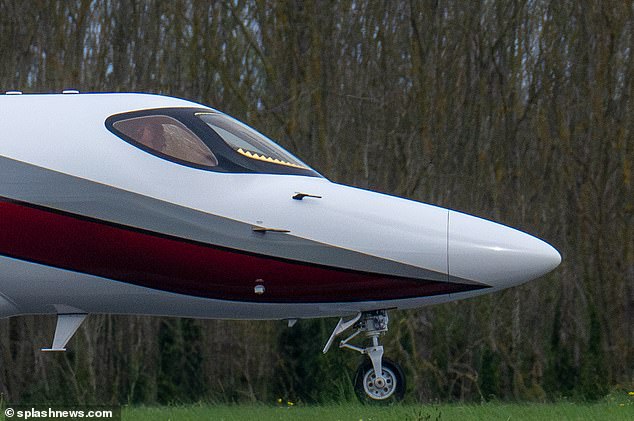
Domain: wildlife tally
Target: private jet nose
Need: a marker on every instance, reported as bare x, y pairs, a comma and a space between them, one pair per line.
495, 254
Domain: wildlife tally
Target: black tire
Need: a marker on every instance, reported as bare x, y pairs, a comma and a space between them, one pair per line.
367, 392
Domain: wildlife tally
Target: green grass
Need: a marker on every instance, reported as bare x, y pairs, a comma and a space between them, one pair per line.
621, 408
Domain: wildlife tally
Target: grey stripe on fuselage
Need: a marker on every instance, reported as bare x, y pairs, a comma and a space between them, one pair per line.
39, 186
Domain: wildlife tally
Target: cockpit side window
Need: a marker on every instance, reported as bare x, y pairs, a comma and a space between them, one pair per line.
167, 137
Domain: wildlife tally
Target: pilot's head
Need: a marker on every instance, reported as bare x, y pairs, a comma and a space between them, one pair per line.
151, 135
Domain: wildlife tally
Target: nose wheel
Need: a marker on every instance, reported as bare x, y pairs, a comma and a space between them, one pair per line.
377, 380
387, 387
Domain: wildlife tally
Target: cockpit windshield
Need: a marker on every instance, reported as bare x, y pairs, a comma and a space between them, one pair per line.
248, 142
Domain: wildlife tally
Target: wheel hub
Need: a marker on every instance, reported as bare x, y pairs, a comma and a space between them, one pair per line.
380, 382
379, 387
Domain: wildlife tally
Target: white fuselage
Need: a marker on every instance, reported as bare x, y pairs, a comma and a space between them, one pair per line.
82, 169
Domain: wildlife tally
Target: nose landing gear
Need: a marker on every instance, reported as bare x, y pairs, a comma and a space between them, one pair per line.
378, 379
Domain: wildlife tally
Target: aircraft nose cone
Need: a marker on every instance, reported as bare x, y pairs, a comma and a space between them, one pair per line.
495, 254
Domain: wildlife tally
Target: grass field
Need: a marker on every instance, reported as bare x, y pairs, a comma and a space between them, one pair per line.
611, 409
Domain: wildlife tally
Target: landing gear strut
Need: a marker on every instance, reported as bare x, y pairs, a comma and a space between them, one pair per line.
378, 379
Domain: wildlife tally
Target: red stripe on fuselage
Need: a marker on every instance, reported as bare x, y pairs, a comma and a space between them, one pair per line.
176, 265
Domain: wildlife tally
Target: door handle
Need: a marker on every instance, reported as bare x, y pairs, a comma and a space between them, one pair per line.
300, 196
264, 230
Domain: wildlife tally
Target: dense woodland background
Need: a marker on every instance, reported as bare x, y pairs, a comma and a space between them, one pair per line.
518, 111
